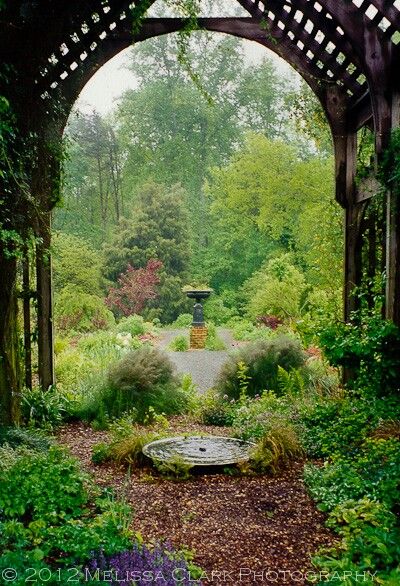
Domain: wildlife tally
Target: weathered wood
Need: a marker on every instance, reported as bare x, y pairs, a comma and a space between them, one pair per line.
10, 374
45, 309
26, 294
353, 258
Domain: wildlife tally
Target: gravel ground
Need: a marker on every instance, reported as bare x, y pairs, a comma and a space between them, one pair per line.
202, 365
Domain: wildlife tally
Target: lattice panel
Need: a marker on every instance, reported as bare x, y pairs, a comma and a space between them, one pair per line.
307, 27
83, 40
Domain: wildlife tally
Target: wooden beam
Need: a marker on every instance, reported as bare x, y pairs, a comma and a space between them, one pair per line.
45, 307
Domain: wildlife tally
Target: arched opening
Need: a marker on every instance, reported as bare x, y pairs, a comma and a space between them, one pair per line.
317, 40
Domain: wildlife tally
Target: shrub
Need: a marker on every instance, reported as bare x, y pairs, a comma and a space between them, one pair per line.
253, 419
183, 321
373, 472
246, 331
143, 378
216, 312
275, 450
133, 325
44, 408
370, 349
81, 312
142, 562
127, 449
269, 321
45, 519
213, 341
179, 344
215, 410
262, 359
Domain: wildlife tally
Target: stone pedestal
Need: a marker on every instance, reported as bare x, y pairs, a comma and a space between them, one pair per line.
198, 336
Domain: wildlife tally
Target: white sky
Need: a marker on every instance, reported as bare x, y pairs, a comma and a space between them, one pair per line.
101, 93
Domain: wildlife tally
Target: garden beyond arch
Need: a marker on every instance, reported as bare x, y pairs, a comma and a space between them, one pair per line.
347, 52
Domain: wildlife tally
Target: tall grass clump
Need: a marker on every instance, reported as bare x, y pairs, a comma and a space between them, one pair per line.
142, 379
262, 360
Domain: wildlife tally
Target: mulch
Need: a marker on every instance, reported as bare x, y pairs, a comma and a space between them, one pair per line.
243, 529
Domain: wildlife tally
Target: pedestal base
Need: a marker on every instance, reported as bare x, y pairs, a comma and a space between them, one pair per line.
198, 336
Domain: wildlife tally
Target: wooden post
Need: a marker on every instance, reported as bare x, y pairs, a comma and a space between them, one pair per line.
345, 162
9, 342
45, 308
27, 321
393, 236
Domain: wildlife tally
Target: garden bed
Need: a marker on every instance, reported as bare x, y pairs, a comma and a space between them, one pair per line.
233, 523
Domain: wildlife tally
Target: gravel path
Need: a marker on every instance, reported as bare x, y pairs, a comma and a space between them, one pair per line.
202, 365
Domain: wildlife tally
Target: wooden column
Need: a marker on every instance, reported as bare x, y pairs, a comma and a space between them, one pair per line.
26, 291
345, 162
393, 236
45, 307
10, 373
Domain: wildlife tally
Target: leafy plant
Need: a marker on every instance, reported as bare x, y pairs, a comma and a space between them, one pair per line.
174, 469
371, 349
262, 360
215, 410
179, 344
51, 515
184, 320
276, 449
213, 341
44, 408
127, 449
76, 311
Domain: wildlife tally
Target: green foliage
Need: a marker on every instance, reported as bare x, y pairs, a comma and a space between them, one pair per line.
276, 449
143, 378
179, 344
184, 320
262, 360
216, 311
213, 341
277, 289
75, 263
45, 518
174, 469
133, 324
76, 311
253, 418
371, 349
158, 230
127, 448
44, 408
334, 426
244, 330
370, 542
373, 472
30, 439
214, 409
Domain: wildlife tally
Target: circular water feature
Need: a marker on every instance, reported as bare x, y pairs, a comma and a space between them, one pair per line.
200, 450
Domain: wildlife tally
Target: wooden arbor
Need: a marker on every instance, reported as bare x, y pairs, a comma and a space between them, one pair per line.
347, 51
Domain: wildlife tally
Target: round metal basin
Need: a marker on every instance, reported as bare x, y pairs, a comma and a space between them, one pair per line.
200, 450
198, 294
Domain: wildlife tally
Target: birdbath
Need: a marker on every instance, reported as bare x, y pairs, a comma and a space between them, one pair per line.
198, 331
200, 450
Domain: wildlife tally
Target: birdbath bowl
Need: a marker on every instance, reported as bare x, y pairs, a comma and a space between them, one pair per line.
198, 294
200, 450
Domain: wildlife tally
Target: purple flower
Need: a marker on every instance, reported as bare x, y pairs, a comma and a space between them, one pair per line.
160, 565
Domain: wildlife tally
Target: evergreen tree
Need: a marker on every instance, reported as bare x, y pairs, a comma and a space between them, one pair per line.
158, 230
